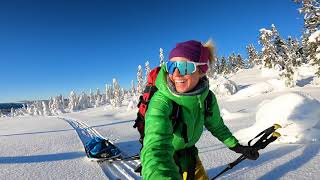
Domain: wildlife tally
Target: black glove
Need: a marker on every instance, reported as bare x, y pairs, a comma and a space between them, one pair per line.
248, 151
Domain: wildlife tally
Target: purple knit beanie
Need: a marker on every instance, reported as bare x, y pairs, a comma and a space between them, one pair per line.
192, 50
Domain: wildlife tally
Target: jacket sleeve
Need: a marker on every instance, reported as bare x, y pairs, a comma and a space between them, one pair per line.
157, 153
217, 127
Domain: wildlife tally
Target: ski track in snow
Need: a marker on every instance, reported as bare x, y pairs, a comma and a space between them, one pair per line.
113, 170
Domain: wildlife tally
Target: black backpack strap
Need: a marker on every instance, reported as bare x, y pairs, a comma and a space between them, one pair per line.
175, 117
207, 104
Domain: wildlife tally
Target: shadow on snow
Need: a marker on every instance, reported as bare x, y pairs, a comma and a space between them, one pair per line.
247, 164
309, 152
41, 158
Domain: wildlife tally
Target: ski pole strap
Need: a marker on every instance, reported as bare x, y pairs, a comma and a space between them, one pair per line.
262, 144
265, 133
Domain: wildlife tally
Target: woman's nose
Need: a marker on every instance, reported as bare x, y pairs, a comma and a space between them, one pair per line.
176, 72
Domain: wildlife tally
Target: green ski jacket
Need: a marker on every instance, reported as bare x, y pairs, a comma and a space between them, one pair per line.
161, 141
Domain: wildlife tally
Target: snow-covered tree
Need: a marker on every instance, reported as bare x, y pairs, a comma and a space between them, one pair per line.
57, 106
311, 11
140, 81
281, 49
98, 97
314, 40
61, 101
92, 99
109, 93
232, 63
253, 57
223, 66
50, 103
73, 102
46, 110
161, 57
84, 101
12, 112
118, 98
268, 50
133, 88
240, 63
284, 60
294, 51
148, 69
38, 109
30, 108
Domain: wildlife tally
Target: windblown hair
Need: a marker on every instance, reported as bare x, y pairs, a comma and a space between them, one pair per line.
209, 44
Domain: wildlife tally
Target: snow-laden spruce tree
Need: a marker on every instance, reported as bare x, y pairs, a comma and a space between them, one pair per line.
12, 112
140, 85
133, 88
311, 11
314, 40
253, 58
50, 104
240, 63
118, 98
57, 105
109, 93
38, 109
73, 102
281, 49
223, 66
148, 69
30, 108
284, 60
46, 109
98, 97
294, 51
232, 63
61, 101
84, 101
161, 57
92, 98
268, 50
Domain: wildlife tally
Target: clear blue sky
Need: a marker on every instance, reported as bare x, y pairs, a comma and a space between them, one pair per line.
50, 47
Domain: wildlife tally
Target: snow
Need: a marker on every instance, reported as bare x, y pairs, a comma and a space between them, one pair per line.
51, 147
222, 86
296, 112
315, 37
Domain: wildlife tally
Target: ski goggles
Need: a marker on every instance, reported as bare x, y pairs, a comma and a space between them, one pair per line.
184, 67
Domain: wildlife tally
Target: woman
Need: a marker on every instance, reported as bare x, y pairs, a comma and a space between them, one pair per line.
166, 153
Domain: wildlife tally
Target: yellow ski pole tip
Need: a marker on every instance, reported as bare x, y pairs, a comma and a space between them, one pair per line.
277, 126
276, 134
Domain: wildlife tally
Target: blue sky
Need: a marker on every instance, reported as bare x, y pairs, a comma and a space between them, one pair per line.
50, 47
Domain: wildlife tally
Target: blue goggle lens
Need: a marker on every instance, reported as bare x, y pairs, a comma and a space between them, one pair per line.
185, 68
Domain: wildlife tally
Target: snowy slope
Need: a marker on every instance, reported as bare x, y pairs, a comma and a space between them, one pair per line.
52, 147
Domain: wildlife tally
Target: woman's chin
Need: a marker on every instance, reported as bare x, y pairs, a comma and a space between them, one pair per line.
182, 88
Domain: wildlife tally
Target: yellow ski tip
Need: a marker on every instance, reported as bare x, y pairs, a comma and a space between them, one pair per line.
277, 126
276, 134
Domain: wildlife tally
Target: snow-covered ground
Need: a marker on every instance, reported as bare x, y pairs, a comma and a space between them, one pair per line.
38, 147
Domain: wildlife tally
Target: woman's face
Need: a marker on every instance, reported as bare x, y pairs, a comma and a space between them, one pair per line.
187, 82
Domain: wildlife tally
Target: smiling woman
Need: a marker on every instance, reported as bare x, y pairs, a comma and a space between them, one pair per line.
169, 150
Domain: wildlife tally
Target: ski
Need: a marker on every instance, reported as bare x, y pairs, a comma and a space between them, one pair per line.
264, 138
118, 158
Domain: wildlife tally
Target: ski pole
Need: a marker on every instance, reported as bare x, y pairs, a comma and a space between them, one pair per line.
260, 144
